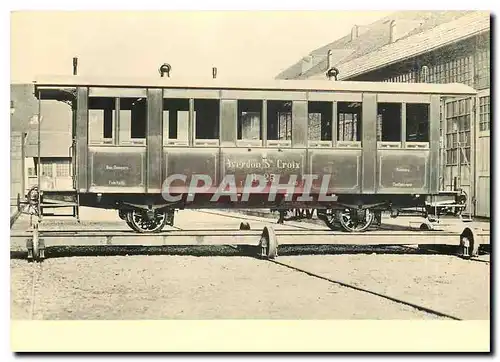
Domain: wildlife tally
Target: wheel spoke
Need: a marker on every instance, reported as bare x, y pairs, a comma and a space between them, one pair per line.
140, 222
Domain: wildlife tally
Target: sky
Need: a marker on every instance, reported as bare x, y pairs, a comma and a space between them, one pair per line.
133, 44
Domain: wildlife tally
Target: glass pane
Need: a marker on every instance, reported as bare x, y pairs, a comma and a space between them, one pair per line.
389, 117
207, 118
176, 120
417, 122
102, 117
133, 118
320, 121
249, 119
279, 120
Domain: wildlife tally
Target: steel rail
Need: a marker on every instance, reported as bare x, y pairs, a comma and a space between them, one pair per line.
256, 218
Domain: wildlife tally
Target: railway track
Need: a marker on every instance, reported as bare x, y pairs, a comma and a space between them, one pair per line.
256, 218
108, 235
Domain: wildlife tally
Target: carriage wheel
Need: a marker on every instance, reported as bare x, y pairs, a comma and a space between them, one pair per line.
469, 244
353, 220
244, 225
328, 218
170, 217
139, 222
122, 214
268, 243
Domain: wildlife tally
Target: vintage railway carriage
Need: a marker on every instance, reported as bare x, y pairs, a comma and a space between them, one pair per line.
376, 143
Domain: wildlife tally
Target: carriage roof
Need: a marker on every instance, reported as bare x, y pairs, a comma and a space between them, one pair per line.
454, 89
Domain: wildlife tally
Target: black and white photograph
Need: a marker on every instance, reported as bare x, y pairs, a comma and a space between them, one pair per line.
251, 166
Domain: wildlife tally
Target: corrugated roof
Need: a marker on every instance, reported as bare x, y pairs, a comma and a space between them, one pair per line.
439, 36
376, 36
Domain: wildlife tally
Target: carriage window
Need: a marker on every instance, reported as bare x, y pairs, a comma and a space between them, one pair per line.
176, 121
133, 116
389, 122
250, 120
349, 121
319, 121
417, 122
102, 118
279, 122
206, 114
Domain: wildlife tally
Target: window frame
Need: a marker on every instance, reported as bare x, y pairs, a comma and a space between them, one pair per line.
116, 127
332, 106
175, 142
286, 143
204, 142
342, 143
262, 123
381, 144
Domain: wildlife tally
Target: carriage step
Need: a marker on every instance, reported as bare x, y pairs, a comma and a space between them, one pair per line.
59, 204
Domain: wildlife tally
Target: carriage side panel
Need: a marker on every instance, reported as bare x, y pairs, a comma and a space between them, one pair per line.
343, 166
434, 136
273, 164
154, 140
403, 171
181, 162
117, 169
82, 139
369, 143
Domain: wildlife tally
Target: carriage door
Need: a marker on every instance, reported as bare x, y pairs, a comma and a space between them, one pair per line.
117, 139
458, 161
404, 135
483, 154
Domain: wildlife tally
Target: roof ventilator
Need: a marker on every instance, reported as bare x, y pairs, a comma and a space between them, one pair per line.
165, 68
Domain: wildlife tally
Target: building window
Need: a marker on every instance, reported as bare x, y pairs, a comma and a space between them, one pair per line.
483, 68
405, 77
458, 131
62, 169
484, 113
47, 170
458, 70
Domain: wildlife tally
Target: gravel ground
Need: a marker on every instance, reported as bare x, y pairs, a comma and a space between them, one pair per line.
448, 284
214, 287
169, 287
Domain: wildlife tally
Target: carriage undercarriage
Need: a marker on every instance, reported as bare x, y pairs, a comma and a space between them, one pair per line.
154, 216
